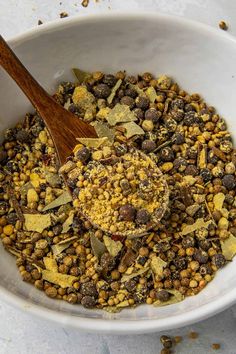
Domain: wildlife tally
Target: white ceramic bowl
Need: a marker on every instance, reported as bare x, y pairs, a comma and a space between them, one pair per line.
200, 58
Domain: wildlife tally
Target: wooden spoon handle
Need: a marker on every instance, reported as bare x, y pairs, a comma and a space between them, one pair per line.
63, 126
23, 78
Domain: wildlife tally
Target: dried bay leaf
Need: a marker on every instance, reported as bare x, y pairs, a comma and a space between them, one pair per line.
64, 198
192, 209
132, 129
121, 113
97, 246
37, 222
175, 297
202, 156
113, 91
50, 264
112, 246
93, 142
63, 209
158, 265
127, 277
151, 94
199, 224
103, 130
68, 239
81, 75
63, 280
218, 201
67, 224
228, 247
61, 246
111, 309
58, 249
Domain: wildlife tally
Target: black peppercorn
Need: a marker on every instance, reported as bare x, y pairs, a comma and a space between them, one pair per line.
191, 170
219, 260
109, 80
200, 256
148, 145
167, 154
152, 114
88, 301
166, 342
178, 103
188, 242
178, 138
129, 101
142, 216
180, 263
131, 92
83, 154
89, 288
206, 175
162, 295
142, 102
229, 182
190, 118
102, 91
127, 212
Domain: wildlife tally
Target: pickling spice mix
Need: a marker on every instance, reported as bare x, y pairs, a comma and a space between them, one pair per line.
162, 170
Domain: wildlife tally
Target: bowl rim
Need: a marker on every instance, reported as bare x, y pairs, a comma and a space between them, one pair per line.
106, 325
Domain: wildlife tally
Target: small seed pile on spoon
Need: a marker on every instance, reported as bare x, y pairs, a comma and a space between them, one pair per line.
119, 189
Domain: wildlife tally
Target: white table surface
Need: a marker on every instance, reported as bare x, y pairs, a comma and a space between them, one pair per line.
22, 333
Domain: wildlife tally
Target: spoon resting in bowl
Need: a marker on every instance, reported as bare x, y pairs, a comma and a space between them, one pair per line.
61, 124
107, 207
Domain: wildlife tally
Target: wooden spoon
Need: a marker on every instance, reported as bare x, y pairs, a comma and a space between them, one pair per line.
63, 126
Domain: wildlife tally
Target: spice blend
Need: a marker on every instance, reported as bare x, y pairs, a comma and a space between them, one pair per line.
158, 126
122, 192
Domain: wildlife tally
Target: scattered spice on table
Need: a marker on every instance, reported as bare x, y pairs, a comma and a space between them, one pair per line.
223, 25
216, 346
165, 351
85, 3
63, 14
178, 339
193, 335
59, 251
171, 343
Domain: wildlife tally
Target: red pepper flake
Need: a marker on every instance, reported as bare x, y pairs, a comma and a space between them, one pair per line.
117, 238
46, 159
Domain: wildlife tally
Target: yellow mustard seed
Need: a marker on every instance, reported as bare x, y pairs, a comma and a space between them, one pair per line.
8, 230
